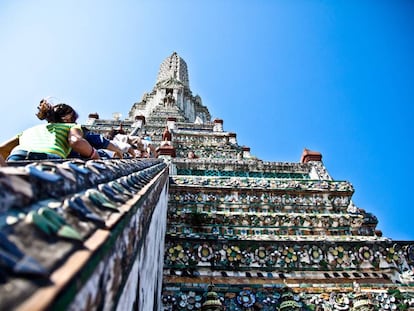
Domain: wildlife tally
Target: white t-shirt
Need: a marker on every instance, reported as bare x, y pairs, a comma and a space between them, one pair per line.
121, 145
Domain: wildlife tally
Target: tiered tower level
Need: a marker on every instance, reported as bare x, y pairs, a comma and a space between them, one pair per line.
260, 235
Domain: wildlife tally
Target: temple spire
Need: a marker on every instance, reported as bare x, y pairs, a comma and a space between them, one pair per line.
173, 68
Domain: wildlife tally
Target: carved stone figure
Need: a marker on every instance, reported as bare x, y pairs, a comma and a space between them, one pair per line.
169, 100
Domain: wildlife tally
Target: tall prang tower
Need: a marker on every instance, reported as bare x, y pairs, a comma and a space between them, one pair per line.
248, 234
171, 97
172, 94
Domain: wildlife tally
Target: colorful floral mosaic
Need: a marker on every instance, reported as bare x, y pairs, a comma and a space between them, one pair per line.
267, 299
283, 256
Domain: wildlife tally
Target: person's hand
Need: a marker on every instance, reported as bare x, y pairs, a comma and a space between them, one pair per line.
118, 154
131, 151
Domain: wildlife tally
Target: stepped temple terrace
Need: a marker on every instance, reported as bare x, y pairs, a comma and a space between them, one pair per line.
203, 225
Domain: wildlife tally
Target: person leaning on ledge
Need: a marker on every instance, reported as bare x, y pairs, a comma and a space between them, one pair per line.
53, 140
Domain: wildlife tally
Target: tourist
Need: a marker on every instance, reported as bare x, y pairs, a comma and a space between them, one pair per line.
121, 141
149, 148
53, 140
105, 147
135, 146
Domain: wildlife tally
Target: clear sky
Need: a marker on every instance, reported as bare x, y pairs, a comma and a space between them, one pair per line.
332, 76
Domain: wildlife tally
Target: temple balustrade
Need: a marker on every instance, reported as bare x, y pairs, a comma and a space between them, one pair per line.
76, 234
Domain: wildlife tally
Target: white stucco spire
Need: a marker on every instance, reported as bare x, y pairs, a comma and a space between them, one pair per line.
173, 68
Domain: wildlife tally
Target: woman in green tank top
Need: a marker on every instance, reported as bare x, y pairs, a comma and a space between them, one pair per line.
53, 140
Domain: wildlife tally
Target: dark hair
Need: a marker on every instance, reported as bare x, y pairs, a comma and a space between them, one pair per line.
112, 133
60, 113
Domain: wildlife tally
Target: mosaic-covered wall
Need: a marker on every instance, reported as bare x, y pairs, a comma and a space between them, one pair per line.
277, 236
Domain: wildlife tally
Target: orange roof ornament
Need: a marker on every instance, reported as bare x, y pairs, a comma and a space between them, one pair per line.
309, 155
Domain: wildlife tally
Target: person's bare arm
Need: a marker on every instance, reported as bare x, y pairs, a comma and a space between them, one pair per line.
2, 162
81, 145
118, 152
153, 150
131, 151
7, 146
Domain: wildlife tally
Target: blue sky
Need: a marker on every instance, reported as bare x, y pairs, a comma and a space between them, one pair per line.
332, 76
